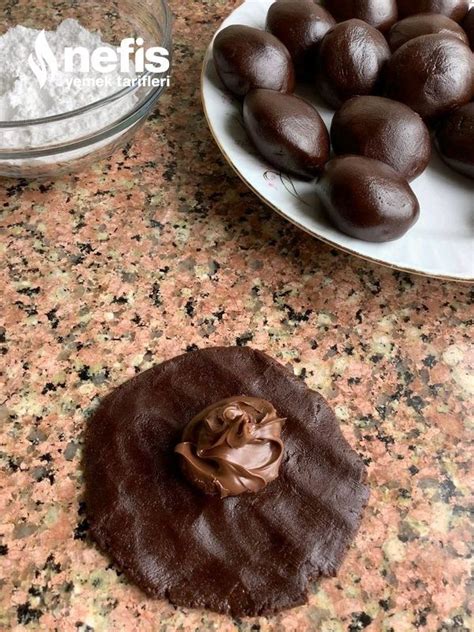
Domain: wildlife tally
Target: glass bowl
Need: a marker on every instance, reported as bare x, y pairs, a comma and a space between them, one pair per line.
36, 148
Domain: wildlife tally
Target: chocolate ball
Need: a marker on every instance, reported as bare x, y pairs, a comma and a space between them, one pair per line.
287, 131
248, 58
352, 56
380, 14
384, 130
455, 140
367, 199
300, 26
433, 74
423, 24
454, 9
468, 26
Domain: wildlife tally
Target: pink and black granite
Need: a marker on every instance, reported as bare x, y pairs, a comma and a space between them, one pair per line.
160, 250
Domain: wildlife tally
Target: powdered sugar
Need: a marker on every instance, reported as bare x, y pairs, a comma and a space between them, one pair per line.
23, 98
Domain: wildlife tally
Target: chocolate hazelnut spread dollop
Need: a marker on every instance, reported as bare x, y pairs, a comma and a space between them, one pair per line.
233, 447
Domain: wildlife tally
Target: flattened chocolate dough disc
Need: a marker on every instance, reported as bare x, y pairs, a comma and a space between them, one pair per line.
247, 555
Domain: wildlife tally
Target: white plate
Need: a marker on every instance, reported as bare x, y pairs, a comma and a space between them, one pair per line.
441, 243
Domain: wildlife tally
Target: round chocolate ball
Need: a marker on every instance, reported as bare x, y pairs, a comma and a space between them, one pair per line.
352, 56
248, 58
468, 26
384, 130
423, 24
454, 9
287, 131
433, 74
300, 26
367, 199
378, 13
455, 140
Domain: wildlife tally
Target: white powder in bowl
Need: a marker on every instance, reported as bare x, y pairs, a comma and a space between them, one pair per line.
23, 98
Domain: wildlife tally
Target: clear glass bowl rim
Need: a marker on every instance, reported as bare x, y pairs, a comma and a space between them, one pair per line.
167, 28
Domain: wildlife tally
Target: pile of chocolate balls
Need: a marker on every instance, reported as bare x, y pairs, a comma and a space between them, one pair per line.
397, 72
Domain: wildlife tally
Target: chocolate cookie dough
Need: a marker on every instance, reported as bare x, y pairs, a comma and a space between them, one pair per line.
433, 74
380, 14
300, 26
423, 24
455, 140
367, 199
251, 554
287, 131
468, 26
454, 9
352, 56
385, 130
248, 58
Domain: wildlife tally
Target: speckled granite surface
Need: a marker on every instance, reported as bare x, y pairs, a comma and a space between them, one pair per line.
161, 250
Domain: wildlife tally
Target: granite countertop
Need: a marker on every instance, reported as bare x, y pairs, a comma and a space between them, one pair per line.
162, 250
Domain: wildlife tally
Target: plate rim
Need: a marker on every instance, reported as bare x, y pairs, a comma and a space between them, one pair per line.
208, 57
